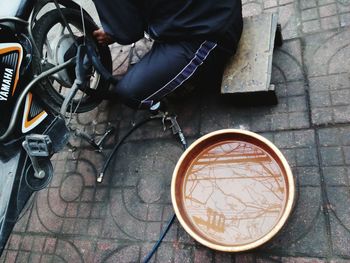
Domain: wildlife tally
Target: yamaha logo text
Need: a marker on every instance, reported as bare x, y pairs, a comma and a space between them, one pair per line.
6, 84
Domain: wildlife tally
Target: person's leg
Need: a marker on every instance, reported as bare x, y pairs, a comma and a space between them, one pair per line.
209, 76
166, 67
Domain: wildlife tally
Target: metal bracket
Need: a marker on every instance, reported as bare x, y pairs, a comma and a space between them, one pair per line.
97, 145
37, 145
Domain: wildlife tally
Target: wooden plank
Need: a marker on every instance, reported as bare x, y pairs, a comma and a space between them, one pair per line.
249, 71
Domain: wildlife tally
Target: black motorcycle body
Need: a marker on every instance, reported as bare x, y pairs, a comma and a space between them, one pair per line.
30, 130
17, 181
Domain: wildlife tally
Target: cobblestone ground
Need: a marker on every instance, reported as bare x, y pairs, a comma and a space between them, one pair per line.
75, 220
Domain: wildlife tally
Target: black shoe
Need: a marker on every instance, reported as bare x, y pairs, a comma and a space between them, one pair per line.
160, 106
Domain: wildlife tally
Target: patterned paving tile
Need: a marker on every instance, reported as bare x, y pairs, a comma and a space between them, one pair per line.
321, 15
305, 231
328, 75
335, 158
286, 9
291, 112
75, 220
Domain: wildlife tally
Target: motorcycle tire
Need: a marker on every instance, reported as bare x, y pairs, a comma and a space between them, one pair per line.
46, 89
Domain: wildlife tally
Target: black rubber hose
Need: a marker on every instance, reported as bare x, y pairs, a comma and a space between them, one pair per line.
105, 166
156, 245
161, 237
137, 125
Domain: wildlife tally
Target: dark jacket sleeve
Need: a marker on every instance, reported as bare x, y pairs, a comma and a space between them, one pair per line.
122, 19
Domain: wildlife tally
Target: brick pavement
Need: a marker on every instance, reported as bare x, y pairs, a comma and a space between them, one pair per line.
74, 220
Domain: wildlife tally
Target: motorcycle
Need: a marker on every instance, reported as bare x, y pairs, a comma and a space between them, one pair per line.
43, 76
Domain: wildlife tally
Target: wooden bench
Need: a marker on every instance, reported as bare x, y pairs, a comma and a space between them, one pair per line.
248, 74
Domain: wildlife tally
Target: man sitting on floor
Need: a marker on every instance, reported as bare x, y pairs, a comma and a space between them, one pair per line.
190, 36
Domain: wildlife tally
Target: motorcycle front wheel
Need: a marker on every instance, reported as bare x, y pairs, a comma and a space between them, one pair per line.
54, 41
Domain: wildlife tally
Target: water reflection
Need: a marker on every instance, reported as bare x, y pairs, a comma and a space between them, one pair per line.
234, 192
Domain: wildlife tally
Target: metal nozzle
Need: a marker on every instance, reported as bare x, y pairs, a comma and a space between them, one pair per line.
100, 178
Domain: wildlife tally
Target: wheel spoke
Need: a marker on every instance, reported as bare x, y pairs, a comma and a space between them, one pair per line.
60, 89
55, 40
49, 51
62, 30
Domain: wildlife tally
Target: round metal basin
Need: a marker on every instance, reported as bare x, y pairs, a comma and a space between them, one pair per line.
232, 190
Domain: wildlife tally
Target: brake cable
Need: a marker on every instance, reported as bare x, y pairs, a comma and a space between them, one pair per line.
71, 112
83, 22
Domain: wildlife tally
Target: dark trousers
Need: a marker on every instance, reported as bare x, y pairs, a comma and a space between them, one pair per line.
167, 67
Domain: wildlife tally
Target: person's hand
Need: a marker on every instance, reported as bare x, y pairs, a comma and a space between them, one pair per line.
102, 37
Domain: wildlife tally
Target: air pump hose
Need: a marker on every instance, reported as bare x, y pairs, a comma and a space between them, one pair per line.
105, 166
137, 125
161, 237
